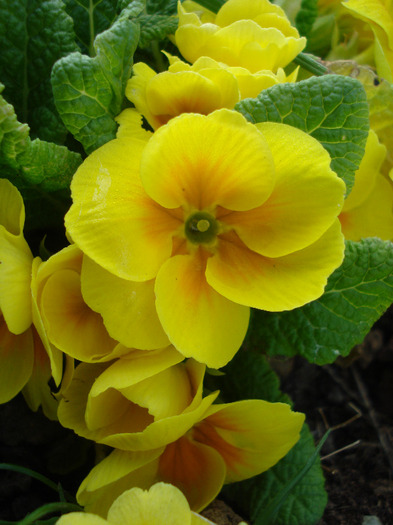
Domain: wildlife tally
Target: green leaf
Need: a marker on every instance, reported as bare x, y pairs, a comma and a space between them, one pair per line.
156, 27
333, 109
304, 505
42, 171
33, 35
90, 17
306, 16
248, 376
355, 297
162, 7
89, 91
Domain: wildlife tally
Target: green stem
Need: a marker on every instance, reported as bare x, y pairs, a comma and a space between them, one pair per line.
160, 64
310, 64
91, 28
31, 473
58, 506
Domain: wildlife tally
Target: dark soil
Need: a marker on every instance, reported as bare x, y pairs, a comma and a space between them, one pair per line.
353, 397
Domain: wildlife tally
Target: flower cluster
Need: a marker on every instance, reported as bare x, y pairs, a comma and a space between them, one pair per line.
176, 232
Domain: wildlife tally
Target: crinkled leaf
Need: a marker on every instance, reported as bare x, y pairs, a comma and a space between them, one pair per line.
163, 7
41, 170
155, 27
131, 8
355, 297
332, 108
306, 16
89, 91
248, 376
33, 35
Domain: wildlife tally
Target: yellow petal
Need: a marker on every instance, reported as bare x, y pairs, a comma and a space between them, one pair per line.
196, 469
17, 359
118, 472
130, 125
71, 325
204, 161
251, 436
127, 307
200, 322
81, 518
12, 209
163, 503
306, 199
112, 220
282, 283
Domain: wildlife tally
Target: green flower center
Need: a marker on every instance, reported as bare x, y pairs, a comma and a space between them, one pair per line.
201, 227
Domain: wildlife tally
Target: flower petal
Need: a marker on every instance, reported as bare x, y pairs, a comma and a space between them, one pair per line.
127, 307
196, 469
200, 322
276, 284
17, 359
306, 199
199, 162
81, 518
163, 503
112, 220
12, 209
118, 472
251, 435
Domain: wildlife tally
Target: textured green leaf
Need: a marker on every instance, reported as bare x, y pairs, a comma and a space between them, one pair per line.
306, 16
163, 7
89, 91
248, 376
355, 297
41, 170
155, 27
33, 35
332, 108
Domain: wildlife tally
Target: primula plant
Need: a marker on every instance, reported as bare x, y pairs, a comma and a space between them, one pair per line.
188, 190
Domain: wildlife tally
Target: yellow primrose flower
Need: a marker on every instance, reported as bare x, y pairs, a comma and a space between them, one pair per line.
253, 34
162, 504
199, 88
224, 214
378, 15
74, 325
142, 401
24, 364
368, 210
230, 442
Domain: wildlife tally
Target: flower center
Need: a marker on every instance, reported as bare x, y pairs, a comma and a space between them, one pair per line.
201, 227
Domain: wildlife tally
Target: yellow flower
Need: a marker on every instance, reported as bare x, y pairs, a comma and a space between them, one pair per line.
142, 401
162, 504
378, 15
71, 317
24, 364
367, 212
230, 442
201, 88
253, 34
225, 215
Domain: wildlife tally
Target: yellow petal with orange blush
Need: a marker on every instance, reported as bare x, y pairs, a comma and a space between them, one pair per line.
200, 322
70, 324
127, 307
306, 199
197, 162
17, 360
251, 435
196, 469
278, 284
113, 220
116, 473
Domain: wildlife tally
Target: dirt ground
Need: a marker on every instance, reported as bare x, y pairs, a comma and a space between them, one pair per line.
353, 397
